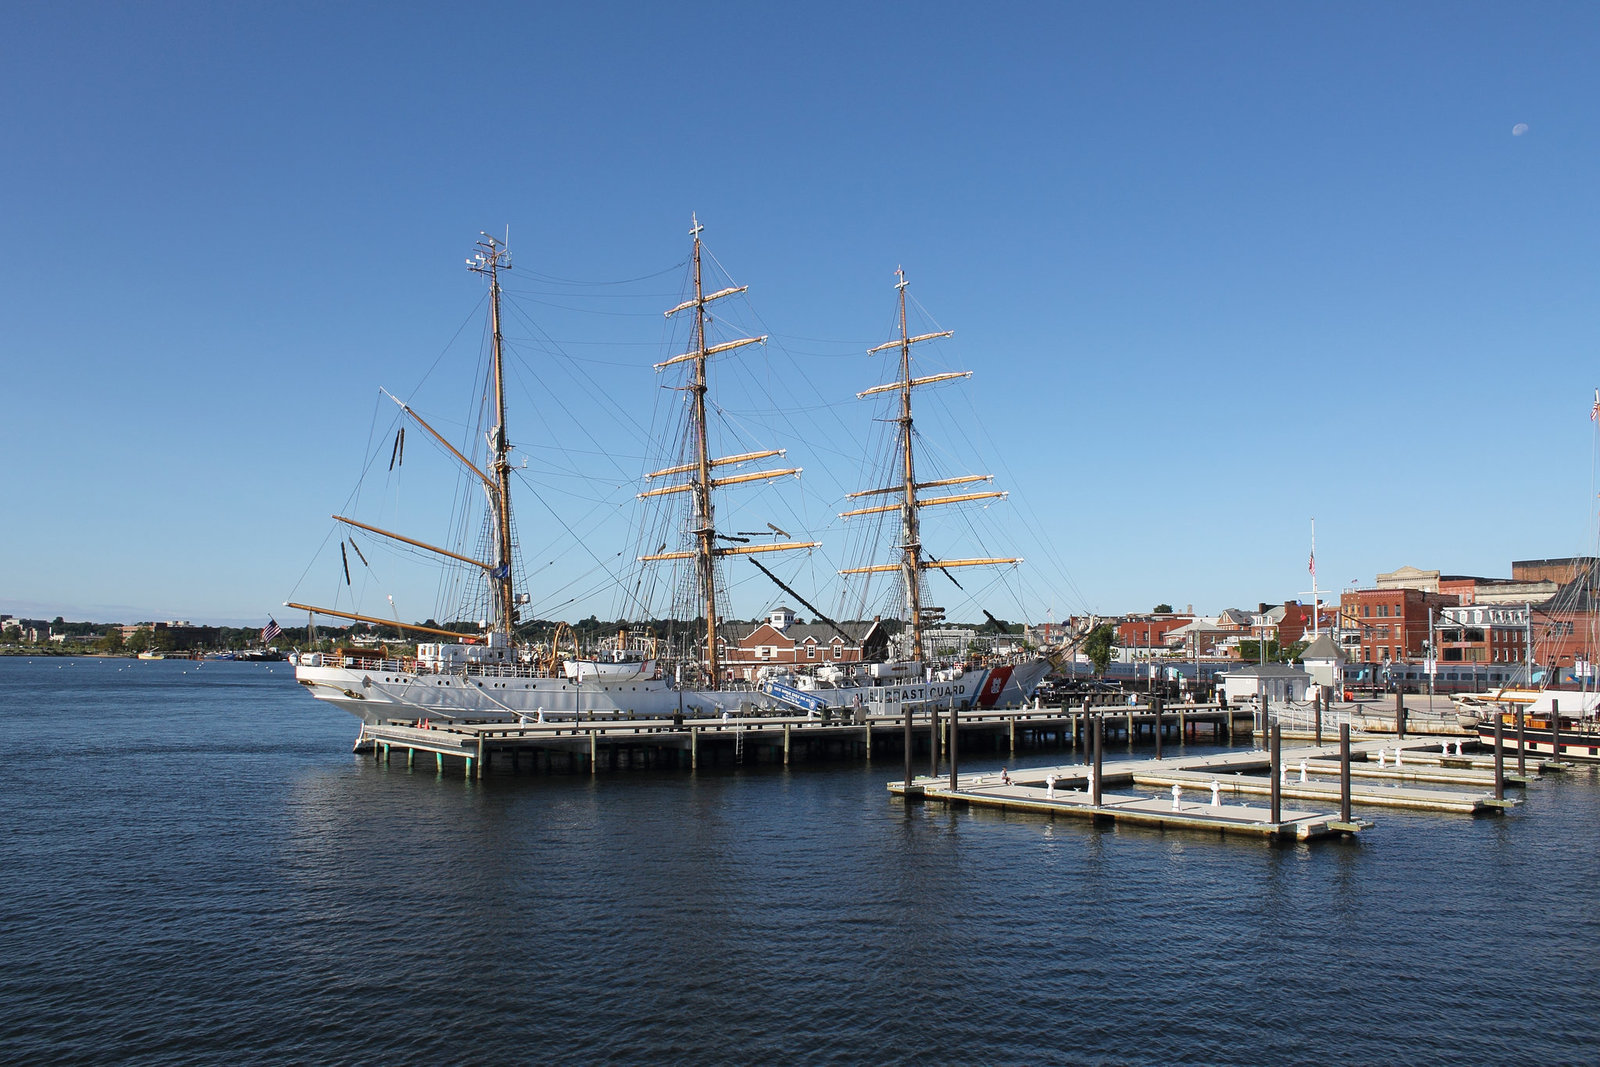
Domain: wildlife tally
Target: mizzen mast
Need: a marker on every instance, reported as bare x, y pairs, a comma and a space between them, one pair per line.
701, 464
912, 560
489, 258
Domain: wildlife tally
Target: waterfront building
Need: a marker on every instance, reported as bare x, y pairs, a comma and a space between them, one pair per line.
1481, 633
780, 641
1389, 624
1150, 635
1566, 635
1277, 681
1324, 660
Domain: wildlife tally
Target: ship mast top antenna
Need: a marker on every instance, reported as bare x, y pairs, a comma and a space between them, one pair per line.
490, 256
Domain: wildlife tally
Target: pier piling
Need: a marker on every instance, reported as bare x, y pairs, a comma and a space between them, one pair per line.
955, 744
1522, 743
1275, 764
1555, 729
1344, 772
1499, 756
1094, 781
908, 745
1155, 706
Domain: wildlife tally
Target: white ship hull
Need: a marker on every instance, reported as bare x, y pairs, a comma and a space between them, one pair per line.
379, 691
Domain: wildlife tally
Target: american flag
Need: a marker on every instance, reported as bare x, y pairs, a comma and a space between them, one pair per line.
270, 630
1594, 412
1312, 565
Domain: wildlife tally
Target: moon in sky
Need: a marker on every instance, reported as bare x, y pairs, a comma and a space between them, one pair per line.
1519, 129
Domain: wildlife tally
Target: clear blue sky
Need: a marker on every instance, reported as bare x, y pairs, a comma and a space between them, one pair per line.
1219, 269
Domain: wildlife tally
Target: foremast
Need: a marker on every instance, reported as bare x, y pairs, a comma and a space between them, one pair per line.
913, 561
701, 464
489, 258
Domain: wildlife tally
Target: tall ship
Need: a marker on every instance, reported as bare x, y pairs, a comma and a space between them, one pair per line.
491, 676
918, 671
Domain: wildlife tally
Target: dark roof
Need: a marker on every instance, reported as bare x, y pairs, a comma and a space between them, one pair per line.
1268, 670
824, 634
1579, 596
1323, 647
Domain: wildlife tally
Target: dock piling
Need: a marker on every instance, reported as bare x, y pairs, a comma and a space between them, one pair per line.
908, 740
954, 744
1094, 778
1344, 773
1522, 741
1317, 700
1276, 763
1499, 756
1555, 729
933, 741
1400, 714
1155, 706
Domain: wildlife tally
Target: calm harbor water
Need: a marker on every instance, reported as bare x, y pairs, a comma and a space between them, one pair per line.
194, 867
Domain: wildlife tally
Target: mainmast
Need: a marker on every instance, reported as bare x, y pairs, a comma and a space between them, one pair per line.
489, 258
911, 555
701, 464
912, 560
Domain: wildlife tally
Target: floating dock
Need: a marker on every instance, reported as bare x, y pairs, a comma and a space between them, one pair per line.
1071, 791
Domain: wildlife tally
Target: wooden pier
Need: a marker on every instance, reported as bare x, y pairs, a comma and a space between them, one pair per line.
590, 746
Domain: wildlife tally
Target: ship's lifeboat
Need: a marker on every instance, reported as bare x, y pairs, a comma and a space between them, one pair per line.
581, 670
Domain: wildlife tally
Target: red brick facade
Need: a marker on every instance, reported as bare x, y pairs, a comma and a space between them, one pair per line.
1392, 623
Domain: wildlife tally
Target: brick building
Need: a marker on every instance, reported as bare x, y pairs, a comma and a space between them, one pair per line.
780, 641
1384, 625
1481, 633
1145, 634
1566, 628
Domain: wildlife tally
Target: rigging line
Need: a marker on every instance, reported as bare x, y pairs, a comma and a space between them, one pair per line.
581, 541
585, 382
1030, 517
636, 297
623, 281
590, 311
451, 343
581, 425
552, 594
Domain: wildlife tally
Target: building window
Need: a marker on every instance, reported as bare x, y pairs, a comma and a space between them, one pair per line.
811, 652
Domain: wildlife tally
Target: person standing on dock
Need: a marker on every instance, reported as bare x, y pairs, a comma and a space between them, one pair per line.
1050, 787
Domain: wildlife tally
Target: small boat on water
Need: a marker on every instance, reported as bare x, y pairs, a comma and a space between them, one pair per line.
152, 655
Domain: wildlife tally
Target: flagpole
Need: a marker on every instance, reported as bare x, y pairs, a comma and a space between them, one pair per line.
1315, 613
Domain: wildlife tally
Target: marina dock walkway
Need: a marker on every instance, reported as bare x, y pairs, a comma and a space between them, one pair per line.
1067, 790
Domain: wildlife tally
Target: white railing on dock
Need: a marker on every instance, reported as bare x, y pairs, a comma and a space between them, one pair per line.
1303, 717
